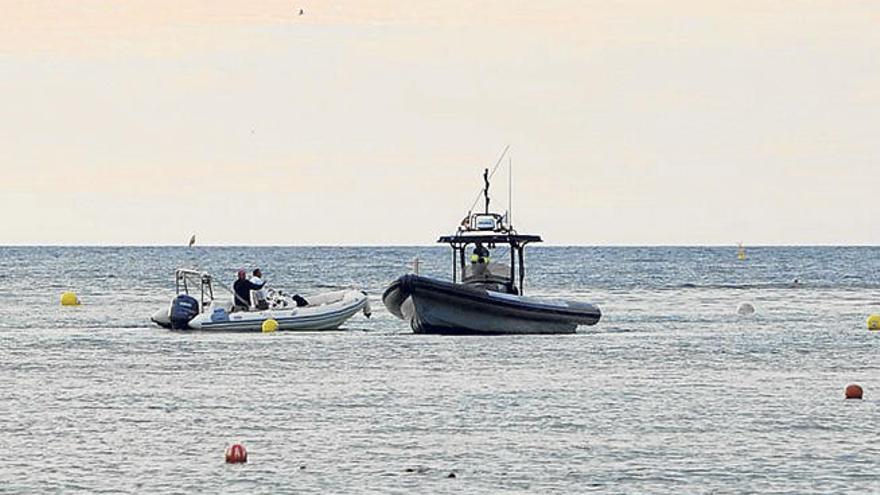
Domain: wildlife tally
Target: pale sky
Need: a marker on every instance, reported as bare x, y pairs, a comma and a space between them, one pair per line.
370, 121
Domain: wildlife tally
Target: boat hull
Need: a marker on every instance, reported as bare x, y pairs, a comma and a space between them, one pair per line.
438, 307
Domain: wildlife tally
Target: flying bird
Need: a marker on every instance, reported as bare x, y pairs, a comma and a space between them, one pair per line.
301, 12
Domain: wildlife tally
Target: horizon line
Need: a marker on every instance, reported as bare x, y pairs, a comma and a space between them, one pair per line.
545, 244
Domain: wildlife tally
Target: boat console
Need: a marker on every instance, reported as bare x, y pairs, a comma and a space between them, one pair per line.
490, 276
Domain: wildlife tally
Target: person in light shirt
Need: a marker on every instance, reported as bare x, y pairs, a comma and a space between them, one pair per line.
260, 295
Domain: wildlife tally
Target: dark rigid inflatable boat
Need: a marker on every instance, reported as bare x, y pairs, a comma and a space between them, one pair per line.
441, 307
485, 297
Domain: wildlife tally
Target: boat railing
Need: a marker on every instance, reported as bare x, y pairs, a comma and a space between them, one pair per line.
186, 280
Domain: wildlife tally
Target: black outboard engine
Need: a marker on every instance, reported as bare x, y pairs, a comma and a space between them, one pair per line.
183, 309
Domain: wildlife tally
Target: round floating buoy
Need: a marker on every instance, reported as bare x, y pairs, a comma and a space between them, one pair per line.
874, 322
745, 309
270, 325
236, 454
69, 299
853, 391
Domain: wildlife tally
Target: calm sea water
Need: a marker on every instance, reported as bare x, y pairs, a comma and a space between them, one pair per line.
672, 392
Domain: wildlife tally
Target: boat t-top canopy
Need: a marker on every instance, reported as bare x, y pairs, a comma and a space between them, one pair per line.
517, 242
467, 238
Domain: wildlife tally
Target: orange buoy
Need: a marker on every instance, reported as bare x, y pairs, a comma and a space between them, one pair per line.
236, 453
853, 391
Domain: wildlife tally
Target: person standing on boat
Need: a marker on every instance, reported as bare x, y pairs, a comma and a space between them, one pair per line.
242, 289
261, 295
480, 254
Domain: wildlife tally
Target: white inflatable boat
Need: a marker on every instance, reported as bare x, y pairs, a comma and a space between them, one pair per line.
195, 308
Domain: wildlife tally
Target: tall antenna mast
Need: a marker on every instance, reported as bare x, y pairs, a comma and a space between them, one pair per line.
486, 189
494, 169
509, 192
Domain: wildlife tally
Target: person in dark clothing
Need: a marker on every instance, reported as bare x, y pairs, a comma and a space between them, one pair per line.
242, 289
480, 254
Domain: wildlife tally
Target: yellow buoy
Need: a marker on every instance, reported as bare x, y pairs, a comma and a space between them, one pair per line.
270, 325
874, 322
741, 253
69, 299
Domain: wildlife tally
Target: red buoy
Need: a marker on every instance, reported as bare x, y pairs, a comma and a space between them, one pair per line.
236, 453
853, 391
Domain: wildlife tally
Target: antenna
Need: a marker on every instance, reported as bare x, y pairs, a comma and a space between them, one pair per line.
486, 189
509, 192
494, 169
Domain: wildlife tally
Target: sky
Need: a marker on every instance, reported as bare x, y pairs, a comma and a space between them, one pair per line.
369, 122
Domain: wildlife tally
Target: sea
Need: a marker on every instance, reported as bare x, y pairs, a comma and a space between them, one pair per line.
671, 392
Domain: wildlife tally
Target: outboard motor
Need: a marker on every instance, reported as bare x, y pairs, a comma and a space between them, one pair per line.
183, 309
